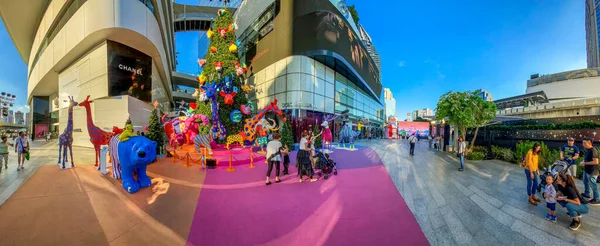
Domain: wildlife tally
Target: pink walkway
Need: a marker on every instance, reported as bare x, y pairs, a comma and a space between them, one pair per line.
360, 206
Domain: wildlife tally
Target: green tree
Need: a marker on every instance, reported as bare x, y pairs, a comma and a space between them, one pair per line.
419, 119
354, 13
155, 130
229, 60
483, 113
287, 138
204, 108
318, 141
465, 110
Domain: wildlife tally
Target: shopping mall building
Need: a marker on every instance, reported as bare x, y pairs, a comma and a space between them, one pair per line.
309, 55
119, 52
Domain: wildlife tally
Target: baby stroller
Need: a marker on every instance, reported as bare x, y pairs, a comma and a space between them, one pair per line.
553, 170
326, 165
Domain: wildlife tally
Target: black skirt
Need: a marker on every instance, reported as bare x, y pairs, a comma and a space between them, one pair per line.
304, 165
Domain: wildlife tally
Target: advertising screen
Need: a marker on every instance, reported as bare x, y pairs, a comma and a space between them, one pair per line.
329, 32
406, 128
129, 72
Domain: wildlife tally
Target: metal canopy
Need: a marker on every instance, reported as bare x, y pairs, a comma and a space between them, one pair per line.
522, 100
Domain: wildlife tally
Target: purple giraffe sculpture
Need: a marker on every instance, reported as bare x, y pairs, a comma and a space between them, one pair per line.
66, 138
218, 129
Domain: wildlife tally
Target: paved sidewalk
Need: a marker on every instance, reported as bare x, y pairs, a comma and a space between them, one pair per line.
42, 153
484, 205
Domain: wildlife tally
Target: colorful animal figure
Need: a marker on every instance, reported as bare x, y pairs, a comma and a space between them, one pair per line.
173, 131
218, 129
116, 130
327, 137
98, 137
250, 124
347, 135
132, 155
191, 126
262, 139
247, 88
202, 140
235, 139
128, 132
245, 109
65, 140
227, 97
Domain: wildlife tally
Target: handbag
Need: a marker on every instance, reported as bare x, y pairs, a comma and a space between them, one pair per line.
25, 149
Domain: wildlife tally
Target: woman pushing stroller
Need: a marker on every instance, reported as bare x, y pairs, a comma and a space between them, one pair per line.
304, 163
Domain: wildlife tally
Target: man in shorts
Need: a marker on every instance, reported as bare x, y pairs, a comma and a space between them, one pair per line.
22, 148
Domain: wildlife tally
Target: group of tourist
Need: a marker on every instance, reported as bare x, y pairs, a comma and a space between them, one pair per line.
560, 188
21, 148
566, 193
435, 142
305, 161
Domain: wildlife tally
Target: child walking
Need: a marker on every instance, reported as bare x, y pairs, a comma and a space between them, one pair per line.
4, 152
286, 159
550, 195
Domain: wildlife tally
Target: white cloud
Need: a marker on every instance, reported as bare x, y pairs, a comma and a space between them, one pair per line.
22, 108
401, 63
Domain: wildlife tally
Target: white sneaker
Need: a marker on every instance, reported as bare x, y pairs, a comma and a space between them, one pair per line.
301, 180
313, 180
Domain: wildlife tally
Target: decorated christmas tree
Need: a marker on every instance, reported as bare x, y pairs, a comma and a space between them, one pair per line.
221, 65
316, 131
155, 129
287, 139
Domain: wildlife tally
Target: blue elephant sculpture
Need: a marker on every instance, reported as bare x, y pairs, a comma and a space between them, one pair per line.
132, 155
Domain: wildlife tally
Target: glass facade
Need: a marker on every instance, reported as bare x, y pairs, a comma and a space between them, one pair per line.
41, 115
349, 96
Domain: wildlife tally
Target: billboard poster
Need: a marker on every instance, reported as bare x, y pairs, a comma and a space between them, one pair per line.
406, 128
129, 72
327, 31
342, 6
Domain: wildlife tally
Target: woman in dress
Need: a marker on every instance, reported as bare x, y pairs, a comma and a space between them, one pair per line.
304, 164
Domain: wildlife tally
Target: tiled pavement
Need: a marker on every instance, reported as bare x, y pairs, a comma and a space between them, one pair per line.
42, 153
484, 205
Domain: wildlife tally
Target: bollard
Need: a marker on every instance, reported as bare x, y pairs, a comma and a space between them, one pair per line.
230, 168
187, 160
251, 160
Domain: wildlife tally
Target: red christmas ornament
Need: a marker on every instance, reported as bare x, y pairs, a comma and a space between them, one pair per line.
227, 97
218, 66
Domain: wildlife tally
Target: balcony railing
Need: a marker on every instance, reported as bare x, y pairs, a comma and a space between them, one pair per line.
580, 103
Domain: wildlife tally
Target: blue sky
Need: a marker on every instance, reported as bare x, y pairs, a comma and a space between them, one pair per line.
430, 47
13, 71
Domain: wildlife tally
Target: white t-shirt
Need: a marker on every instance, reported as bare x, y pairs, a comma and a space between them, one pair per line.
272, 148
462, 146
412, 139
303, 143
